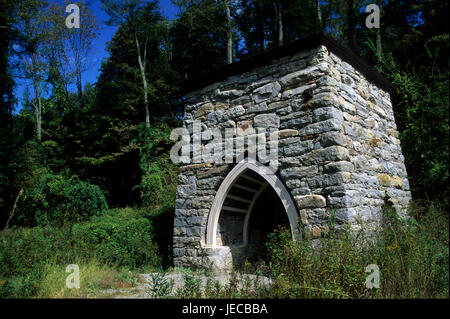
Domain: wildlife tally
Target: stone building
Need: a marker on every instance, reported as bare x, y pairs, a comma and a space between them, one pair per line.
338, 152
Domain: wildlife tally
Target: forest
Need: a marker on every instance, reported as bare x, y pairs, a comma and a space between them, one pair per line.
85, 172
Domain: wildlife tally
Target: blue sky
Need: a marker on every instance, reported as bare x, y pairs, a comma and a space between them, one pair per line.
106, 33
98, 52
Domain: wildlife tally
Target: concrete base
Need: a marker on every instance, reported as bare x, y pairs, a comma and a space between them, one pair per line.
219, 259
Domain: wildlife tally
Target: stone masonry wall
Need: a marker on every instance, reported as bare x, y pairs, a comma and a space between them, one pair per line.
338, 145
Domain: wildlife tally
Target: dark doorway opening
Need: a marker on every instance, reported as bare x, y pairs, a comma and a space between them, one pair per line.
267, 215
251, 210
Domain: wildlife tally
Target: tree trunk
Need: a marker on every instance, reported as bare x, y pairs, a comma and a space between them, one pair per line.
79, 85
39, 119
147, 112
351, 25
379, 51
279, 22
142, 65
229, 34
319, 15
378, 32
37, 106
14, 208
259, 7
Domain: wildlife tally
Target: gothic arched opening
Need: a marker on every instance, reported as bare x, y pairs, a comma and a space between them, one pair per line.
251, 203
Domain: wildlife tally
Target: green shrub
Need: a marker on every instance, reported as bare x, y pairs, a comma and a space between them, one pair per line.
412, 257
160, 286
7, 289
161, 217
117, 239
151, 186
31, 257
191, 288
57, 200
24, 252
159, 174
25, 249
24, 286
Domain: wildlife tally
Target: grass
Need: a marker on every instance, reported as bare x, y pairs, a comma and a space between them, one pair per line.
108, 249
94, 277
412, 256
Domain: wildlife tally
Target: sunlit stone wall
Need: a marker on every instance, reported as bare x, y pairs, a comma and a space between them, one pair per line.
338, 148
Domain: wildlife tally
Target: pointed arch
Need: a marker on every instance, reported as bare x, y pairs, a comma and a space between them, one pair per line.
271, 178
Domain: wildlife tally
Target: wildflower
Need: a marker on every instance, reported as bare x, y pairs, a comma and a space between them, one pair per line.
392, 247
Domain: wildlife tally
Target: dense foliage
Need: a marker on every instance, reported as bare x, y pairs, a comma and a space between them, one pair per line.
412, 256
69, 152
56, 200
93, 135
120, 238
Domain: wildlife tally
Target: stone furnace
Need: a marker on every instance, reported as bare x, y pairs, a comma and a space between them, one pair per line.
337, 152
